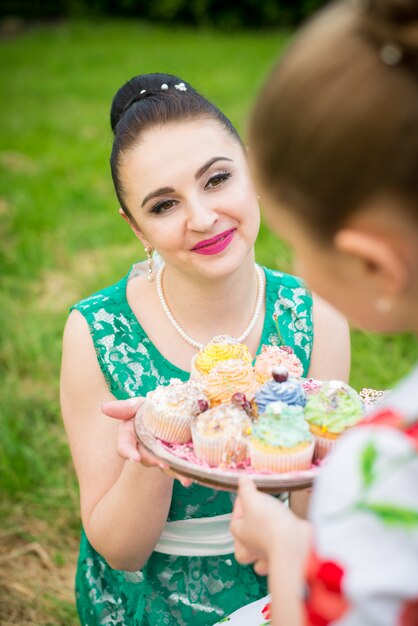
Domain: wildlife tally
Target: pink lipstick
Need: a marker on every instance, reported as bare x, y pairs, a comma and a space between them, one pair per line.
215, 244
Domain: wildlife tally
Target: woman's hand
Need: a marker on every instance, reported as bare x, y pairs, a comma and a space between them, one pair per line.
265, 529
128, 446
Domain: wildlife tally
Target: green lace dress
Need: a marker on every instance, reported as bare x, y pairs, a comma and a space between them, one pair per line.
174, 590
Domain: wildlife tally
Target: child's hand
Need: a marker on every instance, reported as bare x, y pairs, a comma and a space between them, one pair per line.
128, 446
263, 528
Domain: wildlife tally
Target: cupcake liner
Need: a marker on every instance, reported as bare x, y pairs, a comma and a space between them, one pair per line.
281, 462
218, 451
174, 429
323, 446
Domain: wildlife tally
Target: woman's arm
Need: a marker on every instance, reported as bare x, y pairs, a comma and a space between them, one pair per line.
331, 352
124, 505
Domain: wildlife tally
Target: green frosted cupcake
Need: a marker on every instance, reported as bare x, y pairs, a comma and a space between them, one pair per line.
332, 410
281, 440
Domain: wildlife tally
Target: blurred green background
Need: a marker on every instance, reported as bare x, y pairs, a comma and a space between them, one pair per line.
62, 239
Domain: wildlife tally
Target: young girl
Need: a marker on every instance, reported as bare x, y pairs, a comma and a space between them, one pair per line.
334, 138
153, 552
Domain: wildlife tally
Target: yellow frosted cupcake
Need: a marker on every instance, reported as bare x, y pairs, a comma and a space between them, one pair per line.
280, 440
169, 411
227, 378
273, 356
221, 348
220, 435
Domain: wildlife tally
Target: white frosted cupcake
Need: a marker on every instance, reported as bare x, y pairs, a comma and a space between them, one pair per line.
169, 411
220, 435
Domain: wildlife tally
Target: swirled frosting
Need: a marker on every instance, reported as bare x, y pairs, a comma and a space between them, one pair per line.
271, 356
229, 377
221, 348
335, 407
286, 430
290, 391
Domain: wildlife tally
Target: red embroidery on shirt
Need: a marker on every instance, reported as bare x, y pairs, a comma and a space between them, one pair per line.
325, 602
267, 611
409, 614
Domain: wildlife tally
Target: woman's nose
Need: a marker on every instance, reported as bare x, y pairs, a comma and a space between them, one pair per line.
201, 216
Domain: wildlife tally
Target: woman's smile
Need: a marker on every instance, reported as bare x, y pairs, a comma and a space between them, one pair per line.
215, 244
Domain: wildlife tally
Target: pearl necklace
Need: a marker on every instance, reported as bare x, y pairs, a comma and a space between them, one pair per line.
186, 337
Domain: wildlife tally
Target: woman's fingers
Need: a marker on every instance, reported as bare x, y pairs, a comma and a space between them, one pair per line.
261, 567
127, 444
122, 409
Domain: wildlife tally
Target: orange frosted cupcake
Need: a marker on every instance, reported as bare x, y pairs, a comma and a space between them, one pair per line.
227, 378
273, 356
169, 411
221, 348
220, 435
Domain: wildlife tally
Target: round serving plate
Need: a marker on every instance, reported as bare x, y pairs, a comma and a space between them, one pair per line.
224, 479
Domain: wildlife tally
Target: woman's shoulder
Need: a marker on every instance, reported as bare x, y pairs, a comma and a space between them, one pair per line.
107, 298
277, 278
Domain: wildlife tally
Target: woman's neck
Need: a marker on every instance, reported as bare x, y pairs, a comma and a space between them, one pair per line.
206, 307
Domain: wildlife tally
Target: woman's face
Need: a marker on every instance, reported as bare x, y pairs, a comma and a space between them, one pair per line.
188, 188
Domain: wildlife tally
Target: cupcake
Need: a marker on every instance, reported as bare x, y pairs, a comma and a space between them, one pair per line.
227, 378
332, 410
280, 388
281, 440
221, 348
220, 435
169, 411
271, 356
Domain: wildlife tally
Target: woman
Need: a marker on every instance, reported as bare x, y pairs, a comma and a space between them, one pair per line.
181, 178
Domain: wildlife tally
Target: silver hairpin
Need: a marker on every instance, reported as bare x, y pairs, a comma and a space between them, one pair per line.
142, 91
390, 54
180, 87
164, 86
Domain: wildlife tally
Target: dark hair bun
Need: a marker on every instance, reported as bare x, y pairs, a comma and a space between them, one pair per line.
139, 87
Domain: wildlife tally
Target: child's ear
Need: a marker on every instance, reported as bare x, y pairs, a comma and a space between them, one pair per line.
135, 228
382, 262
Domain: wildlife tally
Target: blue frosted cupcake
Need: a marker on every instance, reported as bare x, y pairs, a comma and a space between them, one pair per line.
281, 388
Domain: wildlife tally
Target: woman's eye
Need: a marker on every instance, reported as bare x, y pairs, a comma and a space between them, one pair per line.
161, 207
217, 179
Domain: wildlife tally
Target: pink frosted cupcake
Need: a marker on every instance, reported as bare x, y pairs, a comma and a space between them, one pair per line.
169, 411
272, 356
220, 435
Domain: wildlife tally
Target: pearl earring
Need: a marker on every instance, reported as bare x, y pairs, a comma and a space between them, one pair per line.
150, 263
383, 305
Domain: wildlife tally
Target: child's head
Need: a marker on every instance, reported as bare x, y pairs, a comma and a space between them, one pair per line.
334, 143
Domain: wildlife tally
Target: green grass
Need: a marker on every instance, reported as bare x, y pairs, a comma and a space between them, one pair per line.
62, 239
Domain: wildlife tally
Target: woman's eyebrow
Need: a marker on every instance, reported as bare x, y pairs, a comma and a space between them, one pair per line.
158, 192
165, 190
207, 165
